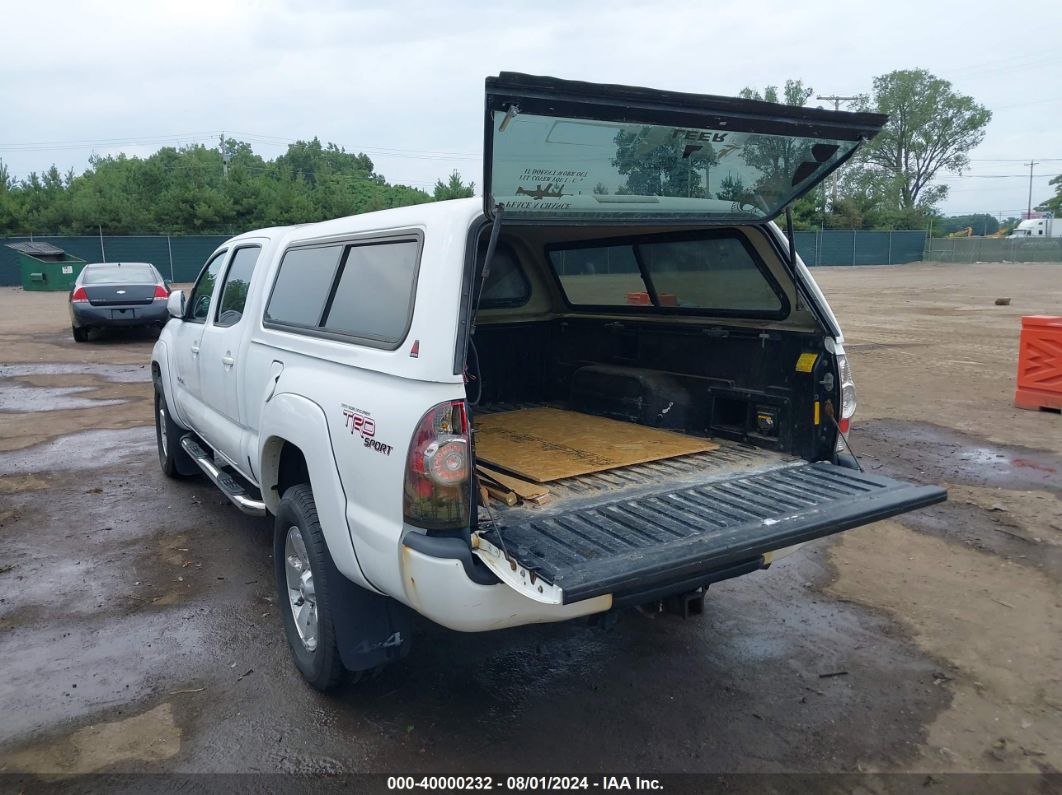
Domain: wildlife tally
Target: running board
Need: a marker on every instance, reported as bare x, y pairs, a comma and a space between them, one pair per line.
228, 485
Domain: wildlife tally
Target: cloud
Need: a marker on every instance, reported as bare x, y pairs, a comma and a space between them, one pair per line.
409, 75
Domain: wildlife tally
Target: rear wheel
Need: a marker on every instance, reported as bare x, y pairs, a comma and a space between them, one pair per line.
168, 438
80, 334
304, 589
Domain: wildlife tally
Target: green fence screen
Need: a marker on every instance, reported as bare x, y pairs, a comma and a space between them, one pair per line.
179, 258
988, 249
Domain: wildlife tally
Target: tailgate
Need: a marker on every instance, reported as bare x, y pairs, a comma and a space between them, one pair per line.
690, 534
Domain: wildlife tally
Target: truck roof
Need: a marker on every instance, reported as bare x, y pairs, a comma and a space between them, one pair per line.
458, 212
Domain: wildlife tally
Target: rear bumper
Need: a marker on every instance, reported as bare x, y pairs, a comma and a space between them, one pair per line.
85, 314
441, 589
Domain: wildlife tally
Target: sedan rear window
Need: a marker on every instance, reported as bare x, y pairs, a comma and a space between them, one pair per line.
711, 273
118, 274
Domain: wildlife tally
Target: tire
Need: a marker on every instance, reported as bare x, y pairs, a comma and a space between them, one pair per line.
312, 639
80, 334
172, 457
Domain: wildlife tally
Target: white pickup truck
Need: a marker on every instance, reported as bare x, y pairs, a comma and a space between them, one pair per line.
622, 264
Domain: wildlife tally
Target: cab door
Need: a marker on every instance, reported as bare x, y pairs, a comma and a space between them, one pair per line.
221, 348
188, 339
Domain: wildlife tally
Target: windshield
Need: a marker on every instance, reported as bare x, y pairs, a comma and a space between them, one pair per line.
709, 273
563, 168
118, 274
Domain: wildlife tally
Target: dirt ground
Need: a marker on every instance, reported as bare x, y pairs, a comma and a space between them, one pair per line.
139, 631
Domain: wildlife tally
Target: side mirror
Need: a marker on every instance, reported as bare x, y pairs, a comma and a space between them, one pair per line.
175, 304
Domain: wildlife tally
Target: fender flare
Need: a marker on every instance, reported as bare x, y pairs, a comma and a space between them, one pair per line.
291, 418
160, 357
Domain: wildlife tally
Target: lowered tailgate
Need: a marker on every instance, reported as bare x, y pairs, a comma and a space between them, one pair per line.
688, 534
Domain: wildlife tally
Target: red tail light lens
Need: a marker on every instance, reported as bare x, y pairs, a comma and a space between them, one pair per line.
438, 470
161, 293
79, 296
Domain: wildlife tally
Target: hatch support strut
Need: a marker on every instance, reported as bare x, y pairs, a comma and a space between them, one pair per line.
789, 236
495, 230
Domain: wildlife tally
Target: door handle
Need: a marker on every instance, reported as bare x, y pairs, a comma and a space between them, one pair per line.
195, 349
227, 360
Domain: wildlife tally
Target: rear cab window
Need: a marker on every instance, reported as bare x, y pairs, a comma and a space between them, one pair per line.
712, 272
360, 292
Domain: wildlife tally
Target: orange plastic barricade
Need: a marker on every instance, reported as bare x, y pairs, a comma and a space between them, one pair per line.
1040, 363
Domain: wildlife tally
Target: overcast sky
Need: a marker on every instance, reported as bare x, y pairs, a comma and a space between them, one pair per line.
403, 81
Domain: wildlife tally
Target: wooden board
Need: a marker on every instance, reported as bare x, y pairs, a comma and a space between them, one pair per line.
526, 489
546, 444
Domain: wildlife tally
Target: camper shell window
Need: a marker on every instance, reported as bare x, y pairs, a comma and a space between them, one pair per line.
709, 272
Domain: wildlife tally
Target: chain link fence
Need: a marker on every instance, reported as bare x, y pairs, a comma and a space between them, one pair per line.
989, 249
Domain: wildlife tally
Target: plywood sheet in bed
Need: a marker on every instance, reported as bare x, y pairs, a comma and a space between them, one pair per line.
547, 444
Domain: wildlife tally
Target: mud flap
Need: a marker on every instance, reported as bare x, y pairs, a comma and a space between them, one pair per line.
371, 629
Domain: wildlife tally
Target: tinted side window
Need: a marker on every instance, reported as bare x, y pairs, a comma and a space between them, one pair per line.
506, 284
237, 282
302, 286
199, 304
375, 292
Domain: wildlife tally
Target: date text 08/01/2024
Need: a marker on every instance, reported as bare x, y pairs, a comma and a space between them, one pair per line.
524, 783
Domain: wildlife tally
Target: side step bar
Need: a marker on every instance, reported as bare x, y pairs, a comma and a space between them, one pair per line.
228, 485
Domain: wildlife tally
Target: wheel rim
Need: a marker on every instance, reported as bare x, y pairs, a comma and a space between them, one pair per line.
164, 442
302, 599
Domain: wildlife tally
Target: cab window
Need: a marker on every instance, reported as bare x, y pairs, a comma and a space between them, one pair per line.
237, 282
199, 304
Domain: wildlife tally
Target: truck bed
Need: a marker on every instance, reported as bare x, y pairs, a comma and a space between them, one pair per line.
679, 523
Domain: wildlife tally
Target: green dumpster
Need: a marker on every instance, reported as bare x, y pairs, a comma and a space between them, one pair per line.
46, 267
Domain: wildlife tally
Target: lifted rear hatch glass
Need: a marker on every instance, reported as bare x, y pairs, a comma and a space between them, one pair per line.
561, 150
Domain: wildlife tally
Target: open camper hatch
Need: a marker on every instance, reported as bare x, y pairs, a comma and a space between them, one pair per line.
657, 387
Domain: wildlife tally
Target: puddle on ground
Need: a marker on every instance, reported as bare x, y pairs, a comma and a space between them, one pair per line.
27, 399
82, 451
124, 373
912, 448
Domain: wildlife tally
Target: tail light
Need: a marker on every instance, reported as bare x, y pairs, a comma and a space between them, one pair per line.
438, 470
848, 397
161, 293
79, 296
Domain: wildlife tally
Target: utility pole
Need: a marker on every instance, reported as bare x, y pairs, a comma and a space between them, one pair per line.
224, 156
836, 100
1030, 164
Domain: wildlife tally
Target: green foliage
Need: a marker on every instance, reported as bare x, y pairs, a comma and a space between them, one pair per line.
1053, 205
931, 128
981, 223
653, 164
186, 191
453, 188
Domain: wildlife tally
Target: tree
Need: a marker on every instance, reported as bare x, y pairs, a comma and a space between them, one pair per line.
1054, 204
778, 158
656, 163
931, 128
453, 188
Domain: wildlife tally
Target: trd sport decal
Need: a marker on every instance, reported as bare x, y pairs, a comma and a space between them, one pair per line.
361, 422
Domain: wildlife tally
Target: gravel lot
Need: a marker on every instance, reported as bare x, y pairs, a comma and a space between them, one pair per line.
138, 627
